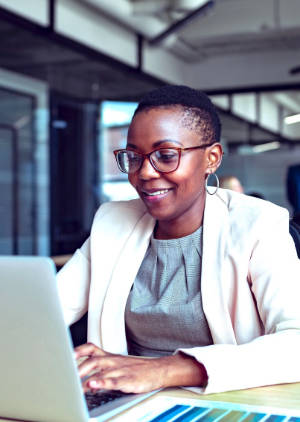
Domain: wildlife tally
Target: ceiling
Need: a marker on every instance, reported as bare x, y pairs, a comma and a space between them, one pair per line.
197, 30
205, 28
193, 30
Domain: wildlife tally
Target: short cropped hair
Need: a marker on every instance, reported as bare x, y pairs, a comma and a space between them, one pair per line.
199, 113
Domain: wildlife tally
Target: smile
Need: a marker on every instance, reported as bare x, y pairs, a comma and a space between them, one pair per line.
156, 193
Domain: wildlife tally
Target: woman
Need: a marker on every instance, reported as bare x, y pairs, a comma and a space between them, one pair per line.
204, 283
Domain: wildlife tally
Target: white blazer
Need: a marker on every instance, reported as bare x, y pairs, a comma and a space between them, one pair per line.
250, 287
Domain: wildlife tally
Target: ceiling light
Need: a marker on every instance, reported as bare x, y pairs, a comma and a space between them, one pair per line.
289, 120
266, 147
256, 149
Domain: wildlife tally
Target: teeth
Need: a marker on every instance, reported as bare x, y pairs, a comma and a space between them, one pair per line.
159, 192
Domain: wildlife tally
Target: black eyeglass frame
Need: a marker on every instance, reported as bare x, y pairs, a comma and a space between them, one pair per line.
148, 156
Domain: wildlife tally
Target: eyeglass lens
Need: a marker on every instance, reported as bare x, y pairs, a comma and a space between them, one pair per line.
165, 160
128, 161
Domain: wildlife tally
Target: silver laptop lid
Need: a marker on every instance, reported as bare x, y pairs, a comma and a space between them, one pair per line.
39, 380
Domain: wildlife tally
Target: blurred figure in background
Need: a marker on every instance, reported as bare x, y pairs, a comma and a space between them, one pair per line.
232, 183
293, 187
295, 232
256, 195
293, 194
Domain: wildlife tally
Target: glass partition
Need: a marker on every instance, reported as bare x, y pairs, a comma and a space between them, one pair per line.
7, 227
17, 173
116, 117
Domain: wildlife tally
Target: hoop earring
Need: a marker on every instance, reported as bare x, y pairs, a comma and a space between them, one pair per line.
217, 184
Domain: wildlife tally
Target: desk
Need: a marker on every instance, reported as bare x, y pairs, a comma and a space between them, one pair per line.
276, 396
280, 396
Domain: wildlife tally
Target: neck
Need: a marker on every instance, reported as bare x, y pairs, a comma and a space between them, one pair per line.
175, 229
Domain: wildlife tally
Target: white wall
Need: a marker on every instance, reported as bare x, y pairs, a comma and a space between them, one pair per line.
164, 65
244, 105
88, 26
36, 10
292, 131
269, 113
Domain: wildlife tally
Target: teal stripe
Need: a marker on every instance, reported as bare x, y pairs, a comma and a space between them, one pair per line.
275, 418
254, 417
212, 415
191, 414
170, 413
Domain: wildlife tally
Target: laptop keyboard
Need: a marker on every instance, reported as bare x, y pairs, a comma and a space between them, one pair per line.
102, 397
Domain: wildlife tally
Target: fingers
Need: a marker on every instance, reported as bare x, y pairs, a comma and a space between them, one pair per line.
127, 374
103, 370
96, 363
113, 380
87, 350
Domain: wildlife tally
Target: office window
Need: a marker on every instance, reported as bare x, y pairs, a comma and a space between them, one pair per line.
115, 119
17, 173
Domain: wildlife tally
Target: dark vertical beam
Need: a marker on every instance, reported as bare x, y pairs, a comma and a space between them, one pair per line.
15, 191
257, 107
52, 170
15, 186
140, 44
34, 204
51, 14
230, 103
250, 133
280, 119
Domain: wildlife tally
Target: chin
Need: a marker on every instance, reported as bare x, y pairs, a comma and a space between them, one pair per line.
159, 214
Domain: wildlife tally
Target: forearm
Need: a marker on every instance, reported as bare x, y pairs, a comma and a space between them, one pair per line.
183, 370
136, 374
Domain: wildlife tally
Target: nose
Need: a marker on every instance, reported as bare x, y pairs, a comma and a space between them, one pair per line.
147, 171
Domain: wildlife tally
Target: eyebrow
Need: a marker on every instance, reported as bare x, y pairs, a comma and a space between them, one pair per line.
157, 143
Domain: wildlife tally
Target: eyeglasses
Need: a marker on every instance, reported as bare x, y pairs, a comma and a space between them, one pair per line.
163, 160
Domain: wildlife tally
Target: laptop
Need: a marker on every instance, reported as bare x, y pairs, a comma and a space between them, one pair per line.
39, 379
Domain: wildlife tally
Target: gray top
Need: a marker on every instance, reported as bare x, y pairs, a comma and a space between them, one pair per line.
164, 308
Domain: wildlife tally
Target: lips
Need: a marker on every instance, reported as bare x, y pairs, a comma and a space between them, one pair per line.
157, 192
151, 195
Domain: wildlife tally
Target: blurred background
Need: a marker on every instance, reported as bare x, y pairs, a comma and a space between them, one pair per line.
72, 71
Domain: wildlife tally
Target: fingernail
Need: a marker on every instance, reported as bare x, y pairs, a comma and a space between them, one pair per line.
93, 384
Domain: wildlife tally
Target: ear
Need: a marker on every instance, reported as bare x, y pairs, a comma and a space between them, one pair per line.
214, 156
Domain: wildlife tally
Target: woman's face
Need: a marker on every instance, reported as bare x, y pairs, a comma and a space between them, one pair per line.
173, 196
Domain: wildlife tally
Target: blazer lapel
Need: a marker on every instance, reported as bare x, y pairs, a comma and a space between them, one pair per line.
214, 277
112, 320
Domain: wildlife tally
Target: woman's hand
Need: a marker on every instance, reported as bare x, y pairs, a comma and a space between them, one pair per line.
136, 374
